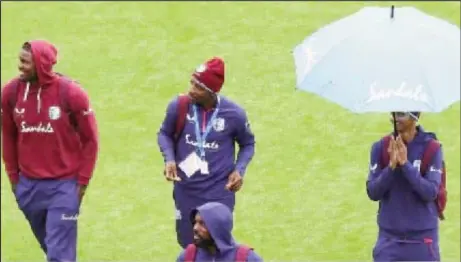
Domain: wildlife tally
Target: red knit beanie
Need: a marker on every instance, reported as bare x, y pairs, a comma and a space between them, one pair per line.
210, 75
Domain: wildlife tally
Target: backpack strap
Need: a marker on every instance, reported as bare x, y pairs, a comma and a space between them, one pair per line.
183, 106
242, 253
442, 196
429, 153
64, 86
64, 93
189, 253
384, 158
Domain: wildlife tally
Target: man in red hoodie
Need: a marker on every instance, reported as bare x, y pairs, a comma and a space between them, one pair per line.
50, 146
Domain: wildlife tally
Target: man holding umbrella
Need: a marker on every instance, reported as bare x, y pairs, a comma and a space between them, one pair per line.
367, 63
405, 177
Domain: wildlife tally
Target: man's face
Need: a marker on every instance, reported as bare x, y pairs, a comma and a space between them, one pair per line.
202, 237
198, 94
404, 121
26, 66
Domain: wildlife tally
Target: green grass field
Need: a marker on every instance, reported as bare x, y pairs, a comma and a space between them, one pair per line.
304, 196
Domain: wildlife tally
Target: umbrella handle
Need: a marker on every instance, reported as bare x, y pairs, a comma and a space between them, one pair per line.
392, 11
395, 124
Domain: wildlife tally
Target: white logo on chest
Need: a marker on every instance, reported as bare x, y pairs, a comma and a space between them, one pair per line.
212, 145
40, 128
54, 112
219, 124
19, 111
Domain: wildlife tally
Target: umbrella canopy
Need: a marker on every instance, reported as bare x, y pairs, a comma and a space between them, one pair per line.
383, 60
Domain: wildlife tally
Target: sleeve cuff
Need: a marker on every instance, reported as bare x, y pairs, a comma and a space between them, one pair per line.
83, 180
241, 171
387, 173
169, 156
14, 178
407, 167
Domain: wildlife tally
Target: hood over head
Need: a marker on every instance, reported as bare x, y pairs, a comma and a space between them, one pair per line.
45, 57
219, 222
424, 136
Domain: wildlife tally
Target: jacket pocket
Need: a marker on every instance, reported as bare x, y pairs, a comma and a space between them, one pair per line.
433, 250
381, 245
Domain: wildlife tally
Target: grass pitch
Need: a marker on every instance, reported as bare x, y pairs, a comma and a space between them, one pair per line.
304, 196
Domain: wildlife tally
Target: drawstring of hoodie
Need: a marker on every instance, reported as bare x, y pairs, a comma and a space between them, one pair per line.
26, 93
39, 103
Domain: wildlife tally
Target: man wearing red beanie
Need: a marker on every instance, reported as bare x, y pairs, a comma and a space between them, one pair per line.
197, 140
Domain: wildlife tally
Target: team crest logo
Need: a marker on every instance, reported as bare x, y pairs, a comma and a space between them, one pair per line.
219, 124
54, 112
201, 68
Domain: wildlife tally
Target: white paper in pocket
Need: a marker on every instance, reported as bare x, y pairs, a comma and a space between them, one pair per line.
191, 164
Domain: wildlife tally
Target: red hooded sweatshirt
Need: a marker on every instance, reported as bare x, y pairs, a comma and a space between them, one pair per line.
38, 139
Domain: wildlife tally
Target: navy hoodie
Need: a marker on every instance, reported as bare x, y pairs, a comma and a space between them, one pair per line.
218, 220
406, 198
